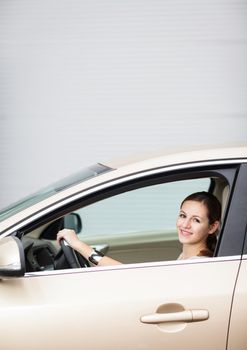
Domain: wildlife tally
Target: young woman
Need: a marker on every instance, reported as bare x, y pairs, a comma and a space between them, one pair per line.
197, 224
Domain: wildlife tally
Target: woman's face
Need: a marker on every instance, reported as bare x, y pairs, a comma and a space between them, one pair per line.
193, 224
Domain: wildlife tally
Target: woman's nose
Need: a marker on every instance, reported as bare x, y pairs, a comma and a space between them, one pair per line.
186, 223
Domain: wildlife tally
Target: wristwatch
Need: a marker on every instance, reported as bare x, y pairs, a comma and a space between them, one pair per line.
95, 257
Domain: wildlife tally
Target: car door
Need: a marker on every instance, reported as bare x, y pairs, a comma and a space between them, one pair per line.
150, 305
170, 305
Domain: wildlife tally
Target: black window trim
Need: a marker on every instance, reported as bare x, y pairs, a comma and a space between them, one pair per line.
232, 242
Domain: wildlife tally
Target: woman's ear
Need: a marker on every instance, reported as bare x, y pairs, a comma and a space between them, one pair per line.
214, 227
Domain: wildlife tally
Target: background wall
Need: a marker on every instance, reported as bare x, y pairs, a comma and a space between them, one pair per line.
86, 80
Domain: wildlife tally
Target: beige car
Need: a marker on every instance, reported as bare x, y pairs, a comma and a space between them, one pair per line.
152, 301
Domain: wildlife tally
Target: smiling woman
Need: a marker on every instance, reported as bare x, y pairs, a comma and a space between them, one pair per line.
197, 224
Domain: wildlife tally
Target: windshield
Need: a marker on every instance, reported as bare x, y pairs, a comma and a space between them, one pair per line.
56, 187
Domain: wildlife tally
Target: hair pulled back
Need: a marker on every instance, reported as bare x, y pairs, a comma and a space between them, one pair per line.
213, 212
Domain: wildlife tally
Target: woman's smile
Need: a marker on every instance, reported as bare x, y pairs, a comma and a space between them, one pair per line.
185, 233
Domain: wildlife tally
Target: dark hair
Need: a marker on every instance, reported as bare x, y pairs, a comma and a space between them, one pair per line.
214, 214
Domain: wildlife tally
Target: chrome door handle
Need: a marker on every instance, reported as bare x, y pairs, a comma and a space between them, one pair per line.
181, 316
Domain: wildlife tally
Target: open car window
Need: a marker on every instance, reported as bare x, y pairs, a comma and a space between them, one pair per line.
151, 209
132, 226
139, 225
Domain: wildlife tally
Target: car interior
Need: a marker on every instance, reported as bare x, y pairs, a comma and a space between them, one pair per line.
43, 253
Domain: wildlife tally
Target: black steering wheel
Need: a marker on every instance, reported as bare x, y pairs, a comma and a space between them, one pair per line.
72, 258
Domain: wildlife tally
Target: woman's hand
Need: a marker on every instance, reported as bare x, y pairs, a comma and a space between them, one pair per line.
70, 237
84, 249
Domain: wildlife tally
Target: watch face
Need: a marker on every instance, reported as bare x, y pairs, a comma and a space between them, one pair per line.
95, 257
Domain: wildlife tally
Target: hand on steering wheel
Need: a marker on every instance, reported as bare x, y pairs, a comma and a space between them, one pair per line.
68, 239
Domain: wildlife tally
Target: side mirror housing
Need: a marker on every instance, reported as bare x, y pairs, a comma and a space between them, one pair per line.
71, 221
12, 260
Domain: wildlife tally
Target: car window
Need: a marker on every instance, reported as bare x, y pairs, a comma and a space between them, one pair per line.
134, 223
144, 209
139, 225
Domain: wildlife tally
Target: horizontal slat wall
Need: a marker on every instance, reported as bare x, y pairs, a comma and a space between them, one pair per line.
82, 81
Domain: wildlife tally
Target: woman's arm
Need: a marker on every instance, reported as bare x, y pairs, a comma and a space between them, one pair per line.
85, 250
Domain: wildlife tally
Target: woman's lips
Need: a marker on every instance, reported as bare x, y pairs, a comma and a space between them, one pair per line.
185, 233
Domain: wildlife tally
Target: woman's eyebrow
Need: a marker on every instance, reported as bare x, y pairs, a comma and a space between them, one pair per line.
197, 216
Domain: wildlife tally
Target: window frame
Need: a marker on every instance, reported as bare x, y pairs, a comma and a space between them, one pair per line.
228, 172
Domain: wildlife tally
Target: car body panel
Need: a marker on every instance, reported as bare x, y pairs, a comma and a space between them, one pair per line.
53, 311
237, 335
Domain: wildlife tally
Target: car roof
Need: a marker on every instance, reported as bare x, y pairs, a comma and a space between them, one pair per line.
179, 156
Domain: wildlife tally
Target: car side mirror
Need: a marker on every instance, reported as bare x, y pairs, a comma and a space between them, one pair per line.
73, 221
12, 259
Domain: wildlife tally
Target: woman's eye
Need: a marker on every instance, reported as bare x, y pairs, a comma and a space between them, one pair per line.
197, 221
181, 215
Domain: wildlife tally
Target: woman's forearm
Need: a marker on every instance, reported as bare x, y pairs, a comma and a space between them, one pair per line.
86, 251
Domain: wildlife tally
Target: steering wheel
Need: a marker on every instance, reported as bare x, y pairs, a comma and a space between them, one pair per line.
72, 258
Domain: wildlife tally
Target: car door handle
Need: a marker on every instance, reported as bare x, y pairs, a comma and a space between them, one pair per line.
181, 316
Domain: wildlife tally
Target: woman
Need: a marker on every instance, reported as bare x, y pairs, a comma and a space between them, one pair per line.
197, 224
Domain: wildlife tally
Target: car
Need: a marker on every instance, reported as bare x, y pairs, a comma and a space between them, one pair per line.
127, 209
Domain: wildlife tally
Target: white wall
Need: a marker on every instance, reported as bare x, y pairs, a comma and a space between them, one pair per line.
83, 81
